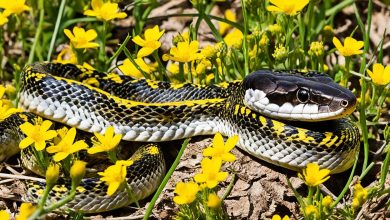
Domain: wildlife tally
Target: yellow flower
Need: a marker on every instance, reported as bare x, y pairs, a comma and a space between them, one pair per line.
81, 38
66, 56
253, 52
210, 173
311, 210
150, 43
313, 175
219, 63
26, 210
202, 66
229, 15
36, 134
13, 7
61, 134
287, 6
184, 52
10, 90
115, 175
77, 171
360, 196
2, 91
208, 52
6, 110
104, 11
3, 18
210, 78
186, 192
52, 173
181, 37
316, 49
213, 201
234, 38
66, 146
105, 142
380, 75
129, 69
274, 29
4, 215
263, 41
173, 68
280, 53
351, 46
220, 150
327, 31
277, 217
326, 202
326, 68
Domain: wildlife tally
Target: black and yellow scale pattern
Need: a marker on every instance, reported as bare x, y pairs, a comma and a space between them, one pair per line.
143, 176
149, 111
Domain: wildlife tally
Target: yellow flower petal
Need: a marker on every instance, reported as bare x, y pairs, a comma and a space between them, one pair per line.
60, 156
313, 175
337, 43
218, 140
40, 145
200, 178
112, 188
145, 51
231, 142
186, 192
139, 41
26, 142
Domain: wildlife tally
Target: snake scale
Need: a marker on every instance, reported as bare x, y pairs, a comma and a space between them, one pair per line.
281, 117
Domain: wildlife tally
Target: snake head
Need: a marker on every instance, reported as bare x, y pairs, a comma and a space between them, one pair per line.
283, 95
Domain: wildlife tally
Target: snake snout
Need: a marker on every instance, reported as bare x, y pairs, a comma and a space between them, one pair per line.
346, 102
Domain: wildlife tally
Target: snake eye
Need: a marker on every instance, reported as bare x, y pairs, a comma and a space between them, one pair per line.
303, 95
344, 103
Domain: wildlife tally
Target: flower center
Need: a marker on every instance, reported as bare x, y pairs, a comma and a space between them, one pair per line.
36, 134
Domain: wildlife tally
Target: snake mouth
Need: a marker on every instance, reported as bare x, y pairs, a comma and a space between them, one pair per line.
257, 101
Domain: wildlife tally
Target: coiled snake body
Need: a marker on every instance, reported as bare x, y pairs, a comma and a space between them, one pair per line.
272, 112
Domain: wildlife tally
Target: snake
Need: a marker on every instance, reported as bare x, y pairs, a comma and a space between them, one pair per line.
283, 117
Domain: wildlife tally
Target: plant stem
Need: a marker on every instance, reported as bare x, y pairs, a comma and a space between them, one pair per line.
230, 186
385, 169
56, 28
346, 75
42, 203
362, 110
38, 33
62, 202
213, 29
149, 209
338, 7
102, 51
346, 187
233, 24
120, 49
245, 43
161, 66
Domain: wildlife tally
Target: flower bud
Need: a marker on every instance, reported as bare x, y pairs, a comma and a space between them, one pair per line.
77, 171
213, 201
280, 53
52, 174
316, 49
